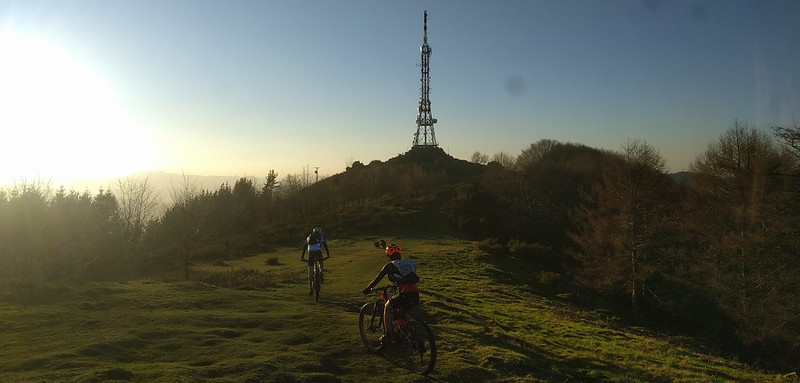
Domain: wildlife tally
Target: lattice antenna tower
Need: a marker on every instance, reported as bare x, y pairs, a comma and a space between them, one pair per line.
425, 136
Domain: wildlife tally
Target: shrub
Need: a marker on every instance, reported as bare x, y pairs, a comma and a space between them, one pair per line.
539, 256
492, 246
272, 261
548, 278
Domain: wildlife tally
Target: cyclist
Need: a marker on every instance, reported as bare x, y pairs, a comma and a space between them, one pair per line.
314, 244
407, 293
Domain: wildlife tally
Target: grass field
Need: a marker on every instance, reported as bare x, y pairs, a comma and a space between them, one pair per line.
202, 331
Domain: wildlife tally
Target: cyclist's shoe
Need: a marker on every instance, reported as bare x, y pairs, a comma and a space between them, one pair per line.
385, 340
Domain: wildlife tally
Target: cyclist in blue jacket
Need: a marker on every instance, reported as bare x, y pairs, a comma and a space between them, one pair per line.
314, 244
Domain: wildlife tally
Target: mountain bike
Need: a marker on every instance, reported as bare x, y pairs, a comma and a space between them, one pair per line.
316, 278
414, 337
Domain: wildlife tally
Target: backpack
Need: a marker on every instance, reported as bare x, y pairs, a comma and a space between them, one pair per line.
408, 270
314, 239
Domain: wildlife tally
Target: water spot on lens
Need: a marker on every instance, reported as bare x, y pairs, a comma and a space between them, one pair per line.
515, 86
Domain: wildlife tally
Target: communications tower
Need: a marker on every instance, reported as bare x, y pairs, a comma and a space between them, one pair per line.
425, 136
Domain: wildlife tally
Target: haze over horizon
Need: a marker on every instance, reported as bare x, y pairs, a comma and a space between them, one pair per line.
99, 90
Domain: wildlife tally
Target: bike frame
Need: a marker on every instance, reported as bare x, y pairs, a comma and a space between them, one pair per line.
316, 275
407, 327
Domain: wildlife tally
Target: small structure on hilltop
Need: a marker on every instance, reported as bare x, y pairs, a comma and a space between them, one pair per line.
425, 136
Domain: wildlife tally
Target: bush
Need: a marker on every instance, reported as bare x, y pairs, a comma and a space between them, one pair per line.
548, 278
539, 256
492, 246
272, 261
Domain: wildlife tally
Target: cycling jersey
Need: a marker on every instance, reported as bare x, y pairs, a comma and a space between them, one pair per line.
315, 244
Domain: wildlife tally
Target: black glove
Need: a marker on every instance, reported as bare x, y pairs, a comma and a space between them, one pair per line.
367, 290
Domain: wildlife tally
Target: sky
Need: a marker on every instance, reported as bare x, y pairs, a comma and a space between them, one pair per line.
100, 89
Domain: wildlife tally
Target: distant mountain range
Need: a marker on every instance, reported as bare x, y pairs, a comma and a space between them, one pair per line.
162, 182
680, 177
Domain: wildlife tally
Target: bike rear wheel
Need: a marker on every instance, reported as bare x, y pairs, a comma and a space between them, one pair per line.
419, 347
317, 282
370, 325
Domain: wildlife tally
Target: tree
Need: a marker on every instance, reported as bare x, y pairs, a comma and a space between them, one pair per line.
534, 153
190, 223
623, 231
108, 238
138, 204
741, 192
504, 159
25, 246
244, 211
72, 231
269, 187
291, 185
479, 158
790, 137
554, 187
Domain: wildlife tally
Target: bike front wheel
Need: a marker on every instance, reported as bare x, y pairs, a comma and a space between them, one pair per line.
370, 325
419, 348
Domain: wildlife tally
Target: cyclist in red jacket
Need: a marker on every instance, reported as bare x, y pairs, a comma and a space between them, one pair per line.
407, 291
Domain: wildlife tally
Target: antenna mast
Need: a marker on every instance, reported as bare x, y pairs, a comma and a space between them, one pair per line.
425, 136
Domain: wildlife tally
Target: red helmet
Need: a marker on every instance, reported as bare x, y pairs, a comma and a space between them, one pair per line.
393, 249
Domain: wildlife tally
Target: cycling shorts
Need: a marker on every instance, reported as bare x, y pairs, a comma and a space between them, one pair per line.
405, 301
314, 255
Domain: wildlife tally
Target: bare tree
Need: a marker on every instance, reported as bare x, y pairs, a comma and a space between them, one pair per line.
191, 221
506, 160
534, 153
479, 158
185, 192
138, 204
290, 185
622, 233
348, 163
790, 137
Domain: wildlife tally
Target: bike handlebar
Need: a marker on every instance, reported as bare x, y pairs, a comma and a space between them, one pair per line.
382, 289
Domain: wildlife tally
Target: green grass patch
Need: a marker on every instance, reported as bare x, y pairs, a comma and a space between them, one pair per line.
250, 319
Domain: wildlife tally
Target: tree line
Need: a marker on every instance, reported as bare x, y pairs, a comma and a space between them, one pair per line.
127, 230
715, 254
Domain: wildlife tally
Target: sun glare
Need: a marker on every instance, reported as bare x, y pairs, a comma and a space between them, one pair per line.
59, 120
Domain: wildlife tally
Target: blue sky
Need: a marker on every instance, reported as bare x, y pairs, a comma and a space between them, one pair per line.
241, 87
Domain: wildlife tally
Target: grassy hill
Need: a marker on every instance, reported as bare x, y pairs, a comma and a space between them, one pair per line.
249, 320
